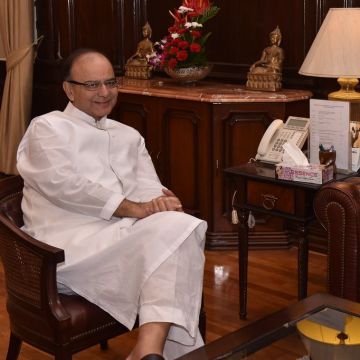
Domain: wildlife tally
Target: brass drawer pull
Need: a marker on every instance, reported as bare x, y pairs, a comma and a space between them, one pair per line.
269, 201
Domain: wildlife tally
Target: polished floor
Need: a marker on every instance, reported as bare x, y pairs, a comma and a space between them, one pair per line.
272, 286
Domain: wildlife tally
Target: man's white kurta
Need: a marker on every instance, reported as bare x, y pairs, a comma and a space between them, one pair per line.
76, 172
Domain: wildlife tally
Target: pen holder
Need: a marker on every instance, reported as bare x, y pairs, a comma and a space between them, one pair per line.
327, 157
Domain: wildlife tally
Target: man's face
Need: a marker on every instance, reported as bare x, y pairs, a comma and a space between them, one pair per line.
96, 103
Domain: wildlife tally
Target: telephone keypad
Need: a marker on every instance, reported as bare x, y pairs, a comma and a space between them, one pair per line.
284, 137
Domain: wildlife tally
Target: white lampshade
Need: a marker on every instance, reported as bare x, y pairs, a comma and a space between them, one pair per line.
335, 51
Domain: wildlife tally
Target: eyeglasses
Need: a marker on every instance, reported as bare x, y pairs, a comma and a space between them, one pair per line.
95, 85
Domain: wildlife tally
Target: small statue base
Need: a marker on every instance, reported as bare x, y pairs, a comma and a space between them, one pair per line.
138, 71
264, 82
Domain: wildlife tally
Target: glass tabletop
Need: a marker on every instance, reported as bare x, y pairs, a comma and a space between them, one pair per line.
287, 348
324, 334
320, 327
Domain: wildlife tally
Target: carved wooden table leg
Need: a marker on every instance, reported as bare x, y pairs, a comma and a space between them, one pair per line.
243, 260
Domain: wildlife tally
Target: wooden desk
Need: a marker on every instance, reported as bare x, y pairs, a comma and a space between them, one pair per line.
260, 192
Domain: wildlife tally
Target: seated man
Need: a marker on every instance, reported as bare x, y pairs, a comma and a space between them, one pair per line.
90, 188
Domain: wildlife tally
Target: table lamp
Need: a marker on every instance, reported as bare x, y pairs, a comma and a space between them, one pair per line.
335, 52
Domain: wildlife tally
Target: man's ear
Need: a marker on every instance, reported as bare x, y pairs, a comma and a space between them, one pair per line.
68, 90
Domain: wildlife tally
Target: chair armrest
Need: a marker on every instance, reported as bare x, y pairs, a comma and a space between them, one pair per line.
30, 271
337, 207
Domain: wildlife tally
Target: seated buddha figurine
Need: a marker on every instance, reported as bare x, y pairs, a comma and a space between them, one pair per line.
266, 73
137, 65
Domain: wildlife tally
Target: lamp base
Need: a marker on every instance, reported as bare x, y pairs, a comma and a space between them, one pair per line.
347, 91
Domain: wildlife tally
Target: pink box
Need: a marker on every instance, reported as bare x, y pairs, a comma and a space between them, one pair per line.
313, 173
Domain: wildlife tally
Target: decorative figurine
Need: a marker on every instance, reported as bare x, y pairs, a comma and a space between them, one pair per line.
266, 73
137, 66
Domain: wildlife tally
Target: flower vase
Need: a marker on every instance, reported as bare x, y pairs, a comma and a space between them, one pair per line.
189, 75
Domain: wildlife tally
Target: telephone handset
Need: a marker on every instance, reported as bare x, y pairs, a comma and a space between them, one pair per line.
296, 130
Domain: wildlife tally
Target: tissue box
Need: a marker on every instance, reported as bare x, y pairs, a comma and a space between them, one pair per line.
313, 173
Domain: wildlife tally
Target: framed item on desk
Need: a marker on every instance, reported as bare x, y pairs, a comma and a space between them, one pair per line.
329, 128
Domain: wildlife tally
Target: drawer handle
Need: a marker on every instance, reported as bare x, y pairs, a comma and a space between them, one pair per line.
269, 201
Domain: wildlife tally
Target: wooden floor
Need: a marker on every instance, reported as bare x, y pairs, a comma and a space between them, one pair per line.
272, 286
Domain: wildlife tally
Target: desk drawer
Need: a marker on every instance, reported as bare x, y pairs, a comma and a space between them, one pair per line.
271, 197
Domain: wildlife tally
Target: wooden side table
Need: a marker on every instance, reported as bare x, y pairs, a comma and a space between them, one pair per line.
259, 191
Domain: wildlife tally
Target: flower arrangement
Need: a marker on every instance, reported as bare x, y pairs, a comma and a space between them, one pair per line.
184, 46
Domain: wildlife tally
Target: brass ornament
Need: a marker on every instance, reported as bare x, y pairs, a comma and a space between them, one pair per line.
266, 73
137, 65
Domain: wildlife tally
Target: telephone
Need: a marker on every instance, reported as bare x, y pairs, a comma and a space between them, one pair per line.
296, 130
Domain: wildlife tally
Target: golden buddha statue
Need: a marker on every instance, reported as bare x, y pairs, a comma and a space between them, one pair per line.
266, 73
137, 66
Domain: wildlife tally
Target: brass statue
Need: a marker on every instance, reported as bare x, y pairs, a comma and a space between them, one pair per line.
137, 66
266, 73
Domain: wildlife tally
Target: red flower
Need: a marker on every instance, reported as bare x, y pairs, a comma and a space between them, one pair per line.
173, 50
192, 14
173, 29
182, 55
195, 47
195, 34
175, 41
172, 63
183, 44
199, 6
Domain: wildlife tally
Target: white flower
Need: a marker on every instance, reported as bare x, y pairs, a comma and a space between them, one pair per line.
175, 35
192, 25
196, 24
184, 9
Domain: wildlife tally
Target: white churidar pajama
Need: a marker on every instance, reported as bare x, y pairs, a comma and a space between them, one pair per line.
76, 172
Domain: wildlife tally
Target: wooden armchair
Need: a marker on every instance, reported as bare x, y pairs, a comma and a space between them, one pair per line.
55, 323
337, 207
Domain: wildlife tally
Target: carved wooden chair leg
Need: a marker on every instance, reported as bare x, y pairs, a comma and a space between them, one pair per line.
14, 347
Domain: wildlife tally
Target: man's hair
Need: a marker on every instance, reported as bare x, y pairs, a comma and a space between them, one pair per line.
71, 59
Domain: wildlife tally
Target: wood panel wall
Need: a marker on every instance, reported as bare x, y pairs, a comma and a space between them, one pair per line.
239, 33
